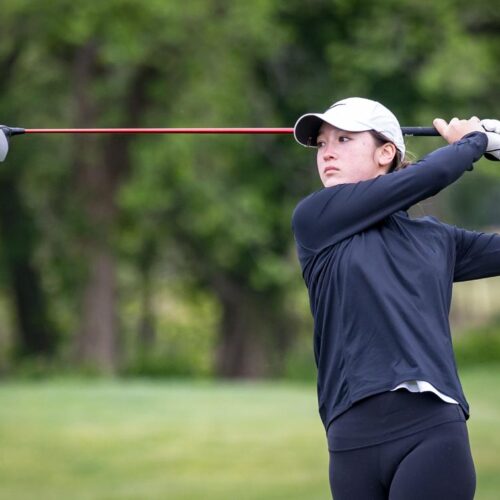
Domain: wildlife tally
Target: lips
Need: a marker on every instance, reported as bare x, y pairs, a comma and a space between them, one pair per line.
326, 170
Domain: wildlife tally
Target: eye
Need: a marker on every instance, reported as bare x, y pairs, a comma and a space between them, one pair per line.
320, 143
344, 138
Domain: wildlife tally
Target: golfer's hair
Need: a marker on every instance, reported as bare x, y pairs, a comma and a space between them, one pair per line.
398, 163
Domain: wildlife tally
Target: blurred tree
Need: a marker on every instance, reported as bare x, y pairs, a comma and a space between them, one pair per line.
219, 200
35, 332
113, 51
101, 60
461, 79
217, 209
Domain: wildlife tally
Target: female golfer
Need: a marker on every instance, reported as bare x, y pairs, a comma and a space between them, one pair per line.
380, 288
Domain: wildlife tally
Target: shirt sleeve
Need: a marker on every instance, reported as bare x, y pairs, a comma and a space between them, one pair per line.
333, 214
477, 254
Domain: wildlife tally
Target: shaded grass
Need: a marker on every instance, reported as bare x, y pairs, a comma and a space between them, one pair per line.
75, 439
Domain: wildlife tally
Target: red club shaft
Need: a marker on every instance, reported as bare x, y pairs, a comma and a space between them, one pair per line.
242, 130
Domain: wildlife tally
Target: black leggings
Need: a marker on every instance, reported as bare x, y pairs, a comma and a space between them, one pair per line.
433, 464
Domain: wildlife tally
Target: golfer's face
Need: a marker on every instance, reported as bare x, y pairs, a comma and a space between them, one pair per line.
346, 157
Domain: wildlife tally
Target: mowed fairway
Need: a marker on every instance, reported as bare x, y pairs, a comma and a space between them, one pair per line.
189, 440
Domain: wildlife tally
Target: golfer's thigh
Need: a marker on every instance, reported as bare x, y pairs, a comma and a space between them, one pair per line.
439, 466
355, 475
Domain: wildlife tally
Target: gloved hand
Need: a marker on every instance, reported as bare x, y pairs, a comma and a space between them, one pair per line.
492, 128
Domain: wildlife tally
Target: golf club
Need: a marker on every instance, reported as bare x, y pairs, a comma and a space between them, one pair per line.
420, 131
6, 132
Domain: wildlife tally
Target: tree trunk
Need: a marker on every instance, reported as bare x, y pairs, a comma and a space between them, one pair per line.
35, 332
102, 164
97, 339
146, 334
98, 334
98, 343
255, 334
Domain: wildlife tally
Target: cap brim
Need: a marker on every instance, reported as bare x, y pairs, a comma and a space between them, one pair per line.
4, 145
307, 127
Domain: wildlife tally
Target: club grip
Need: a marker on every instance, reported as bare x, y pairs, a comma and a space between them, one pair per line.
420, 131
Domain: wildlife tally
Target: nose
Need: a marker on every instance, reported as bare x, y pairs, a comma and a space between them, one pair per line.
328, 152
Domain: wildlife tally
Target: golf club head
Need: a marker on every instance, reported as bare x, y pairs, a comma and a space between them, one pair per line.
4, 144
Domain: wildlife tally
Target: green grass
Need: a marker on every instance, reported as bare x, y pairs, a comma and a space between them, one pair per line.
70, 439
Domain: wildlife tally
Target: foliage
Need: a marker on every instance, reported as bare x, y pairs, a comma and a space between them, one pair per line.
186, 332
214, 211
480, 346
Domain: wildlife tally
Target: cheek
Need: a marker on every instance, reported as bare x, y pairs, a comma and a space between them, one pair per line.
319, 161
363, 166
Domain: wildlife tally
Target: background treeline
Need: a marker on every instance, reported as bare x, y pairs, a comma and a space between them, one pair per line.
174, 254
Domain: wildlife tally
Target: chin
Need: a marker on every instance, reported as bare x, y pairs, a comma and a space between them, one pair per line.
330, 182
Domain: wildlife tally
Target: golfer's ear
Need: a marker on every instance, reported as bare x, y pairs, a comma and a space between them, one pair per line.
386, 154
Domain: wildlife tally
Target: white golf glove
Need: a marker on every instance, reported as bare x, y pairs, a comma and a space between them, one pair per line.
492, 128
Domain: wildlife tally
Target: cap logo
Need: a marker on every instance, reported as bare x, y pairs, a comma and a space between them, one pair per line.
335, 104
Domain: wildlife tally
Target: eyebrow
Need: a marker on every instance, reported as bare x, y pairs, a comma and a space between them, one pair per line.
342, 132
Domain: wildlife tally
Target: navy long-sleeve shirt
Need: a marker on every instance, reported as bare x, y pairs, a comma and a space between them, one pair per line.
380, 283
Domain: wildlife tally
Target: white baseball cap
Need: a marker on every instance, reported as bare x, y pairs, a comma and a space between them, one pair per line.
354, 114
